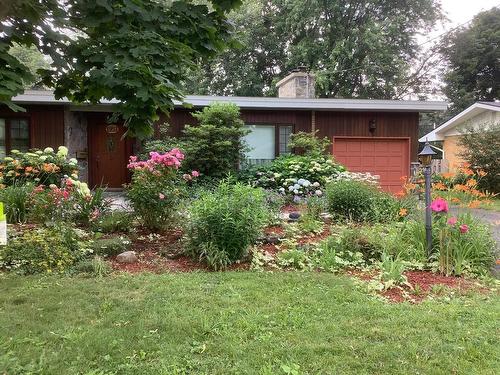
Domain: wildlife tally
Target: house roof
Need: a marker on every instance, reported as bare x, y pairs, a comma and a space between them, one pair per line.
470, 112
47, 97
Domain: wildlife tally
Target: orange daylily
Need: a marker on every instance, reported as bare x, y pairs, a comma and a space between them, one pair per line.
447, 175
474, 204
403, 212
439, 186
471, 182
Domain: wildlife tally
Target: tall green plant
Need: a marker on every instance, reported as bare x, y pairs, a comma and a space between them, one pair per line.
215, 146
223, 223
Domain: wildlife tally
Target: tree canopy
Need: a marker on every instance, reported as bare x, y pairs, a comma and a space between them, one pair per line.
136, 51
473, 58
357, 48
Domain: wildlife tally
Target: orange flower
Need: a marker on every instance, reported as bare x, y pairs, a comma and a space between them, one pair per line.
459, 187
28, 169
400, 194
403, 212
471, 182
439, 186
447, 175
474, 204
481, 173
455, 200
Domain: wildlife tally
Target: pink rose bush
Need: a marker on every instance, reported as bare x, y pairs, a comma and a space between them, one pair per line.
157, 187
462, 243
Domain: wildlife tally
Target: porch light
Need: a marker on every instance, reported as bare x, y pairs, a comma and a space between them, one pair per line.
425, 158
426, 154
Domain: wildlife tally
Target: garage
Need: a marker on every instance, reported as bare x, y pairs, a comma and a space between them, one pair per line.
387, 157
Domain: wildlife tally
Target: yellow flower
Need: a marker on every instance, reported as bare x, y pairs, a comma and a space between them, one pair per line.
403, 212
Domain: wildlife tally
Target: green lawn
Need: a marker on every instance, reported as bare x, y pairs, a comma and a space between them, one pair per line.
236, 323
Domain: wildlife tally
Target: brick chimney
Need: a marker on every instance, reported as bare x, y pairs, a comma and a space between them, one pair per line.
298, 84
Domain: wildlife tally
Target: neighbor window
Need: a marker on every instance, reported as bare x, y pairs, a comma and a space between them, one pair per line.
266, 142
14, 135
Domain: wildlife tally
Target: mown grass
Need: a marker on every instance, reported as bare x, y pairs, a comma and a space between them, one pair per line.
236, 323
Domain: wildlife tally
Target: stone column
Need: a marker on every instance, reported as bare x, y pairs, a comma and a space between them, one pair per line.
75, 139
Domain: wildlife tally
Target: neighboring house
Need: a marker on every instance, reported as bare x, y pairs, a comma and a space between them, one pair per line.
479, 115
377, 136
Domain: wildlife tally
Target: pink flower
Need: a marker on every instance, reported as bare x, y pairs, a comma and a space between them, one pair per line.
195, 173
161, 196
439, 205
464, 228
452, 221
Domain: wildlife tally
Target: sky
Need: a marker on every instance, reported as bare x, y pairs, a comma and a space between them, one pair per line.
458, 12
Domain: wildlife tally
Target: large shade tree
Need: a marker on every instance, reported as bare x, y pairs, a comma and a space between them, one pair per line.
136, 51
473, 61
357, 48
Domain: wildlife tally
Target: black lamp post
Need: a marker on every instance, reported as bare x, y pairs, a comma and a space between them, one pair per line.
425, 158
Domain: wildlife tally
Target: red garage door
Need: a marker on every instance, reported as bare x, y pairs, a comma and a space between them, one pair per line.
387, 157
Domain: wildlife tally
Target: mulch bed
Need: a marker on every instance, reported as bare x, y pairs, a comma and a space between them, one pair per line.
421, 281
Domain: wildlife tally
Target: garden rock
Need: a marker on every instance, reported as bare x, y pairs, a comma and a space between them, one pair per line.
272, 239
294, 216
127, 257
326, 217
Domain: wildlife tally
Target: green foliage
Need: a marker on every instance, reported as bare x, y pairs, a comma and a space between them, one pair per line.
357, 48
392, 271
161, 142
15, 200
463, 247
309, 143
39, 167
274, 202
33, 59
473, 63
308, 224
111, 246
136, 52
481, 148
94, 267
223, 223
337, 253
295, 175
41, 250
360, 202
114, 221
215, 146
296, 258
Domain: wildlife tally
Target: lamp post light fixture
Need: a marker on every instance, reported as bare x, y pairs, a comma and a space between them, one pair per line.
425, 158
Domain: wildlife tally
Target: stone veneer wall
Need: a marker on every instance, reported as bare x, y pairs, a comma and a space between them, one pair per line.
75, 139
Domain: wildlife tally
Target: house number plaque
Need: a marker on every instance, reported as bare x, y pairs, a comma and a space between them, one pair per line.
112, 129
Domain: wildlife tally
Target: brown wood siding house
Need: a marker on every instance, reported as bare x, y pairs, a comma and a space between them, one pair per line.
368, 135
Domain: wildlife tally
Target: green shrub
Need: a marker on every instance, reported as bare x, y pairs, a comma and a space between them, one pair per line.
215, 146
309, 143
333, 254
360, 202
162, 143
42, 250
15, 200
111, 246
224, 222
296, 258
94, 267
112, 222
308, 224
352, 200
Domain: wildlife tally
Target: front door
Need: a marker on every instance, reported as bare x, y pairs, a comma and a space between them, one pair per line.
108, 153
